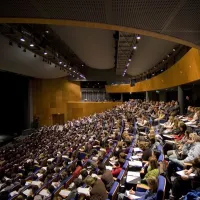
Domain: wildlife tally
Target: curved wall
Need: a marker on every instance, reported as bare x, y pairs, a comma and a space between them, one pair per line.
186, 70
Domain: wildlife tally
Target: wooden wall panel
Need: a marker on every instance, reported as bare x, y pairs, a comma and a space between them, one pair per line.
50, 96
81, 109
186, 70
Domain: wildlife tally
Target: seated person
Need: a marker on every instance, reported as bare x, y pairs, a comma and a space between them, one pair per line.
116, 169
98, 187
148, 195
106, 176
151, 169
184, 184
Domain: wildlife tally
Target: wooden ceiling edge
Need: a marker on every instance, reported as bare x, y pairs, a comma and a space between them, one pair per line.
97, 25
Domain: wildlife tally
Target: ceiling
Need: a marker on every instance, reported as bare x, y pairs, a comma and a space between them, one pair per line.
176, 18
97, 48
13, 59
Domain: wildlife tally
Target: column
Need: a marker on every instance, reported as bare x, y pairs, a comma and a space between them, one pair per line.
162, 96
122, 97
181, 99
147, 96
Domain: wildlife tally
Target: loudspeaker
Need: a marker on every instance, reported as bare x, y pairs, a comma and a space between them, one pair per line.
132, 82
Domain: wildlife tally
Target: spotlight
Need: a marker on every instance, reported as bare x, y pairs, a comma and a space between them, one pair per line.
47, 32
134, 47
45, 53
22, 39
65, 65
174, 49
31, 45
24, 50
127, 64
138, 37
10, 43
60, 62
35, 55
129, 60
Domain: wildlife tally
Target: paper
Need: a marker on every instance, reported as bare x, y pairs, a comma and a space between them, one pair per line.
38, 183
112, 162
143, 133
167, 131
95, 176
109, 168
170, 141
13, 193
50, 159
45, 193
55, 184
64, 193
85, 191
45, 168
39, 175
137, 149
27, 192
6, 178
135, 163
132, 196
135, 157
63, 156
189, 123
94, 158
28, 182
136, 174
182, 173
168, 136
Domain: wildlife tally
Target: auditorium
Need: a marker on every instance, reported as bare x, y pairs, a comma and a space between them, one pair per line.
100, 99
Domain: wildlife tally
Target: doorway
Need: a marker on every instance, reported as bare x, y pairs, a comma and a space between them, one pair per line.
58, 118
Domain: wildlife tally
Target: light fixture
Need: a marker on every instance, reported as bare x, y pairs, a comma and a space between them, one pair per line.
74, 71
134, 47
60, 62
168, 55
129, 60
31, 45
70, 68
161, 70
163, 60
138, 37
47, 31
22, 39
174, 49
45, 53
127, 64
65, 65
82, 65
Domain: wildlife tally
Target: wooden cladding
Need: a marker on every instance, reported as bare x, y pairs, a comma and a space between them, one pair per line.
186, 70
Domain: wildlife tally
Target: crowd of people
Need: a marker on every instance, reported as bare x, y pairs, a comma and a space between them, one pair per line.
83, 158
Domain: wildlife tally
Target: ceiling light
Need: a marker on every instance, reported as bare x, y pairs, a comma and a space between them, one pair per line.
74, 71
22, 39
129, 60
152, 74
70, 68
82, 65
134, 47
47, 31
31, 45
127, 64
163, 60
65, 65
45, 53
161, 70
174, 49
60, 62
168, 55
138, 37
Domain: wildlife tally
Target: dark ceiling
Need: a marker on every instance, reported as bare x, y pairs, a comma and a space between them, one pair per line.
109, 54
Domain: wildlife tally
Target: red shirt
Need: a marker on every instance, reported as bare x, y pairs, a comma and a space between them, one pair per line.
77, 171
178, 137
116, 171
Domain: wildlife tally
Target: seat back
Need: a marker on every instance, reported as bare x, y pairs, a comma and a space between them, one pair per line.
125, 166
120, 176
112, 195
128, 157
161, 188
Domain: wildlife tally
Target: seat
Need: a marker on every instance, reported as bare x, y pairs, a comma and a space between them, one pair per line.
125, 166
120, 176
128, 157
161, 188
112, 195
81, 155
131, 150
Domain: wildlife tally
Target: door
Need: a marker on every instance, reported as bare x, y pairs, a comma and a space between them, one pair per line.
58, 119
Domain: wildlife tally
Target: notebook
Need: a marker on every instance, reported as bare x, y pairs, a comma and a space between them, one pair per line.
182, 173
85, 191
135, 163
64, 193
45, 193
109, 168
